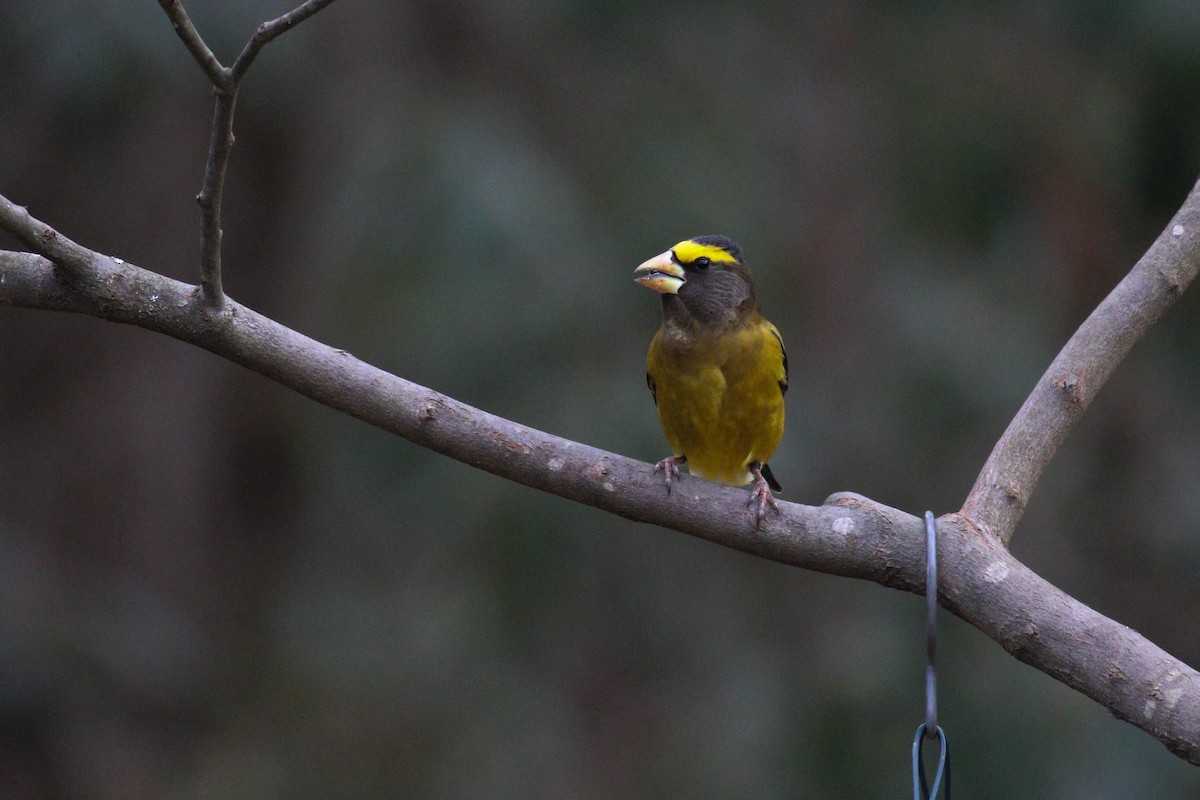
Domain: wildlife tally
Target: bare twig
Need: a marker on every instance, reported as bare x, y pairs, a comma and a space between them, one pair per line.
183, 26
226, 82
850, 535
1008, 478
220, 147
270, 30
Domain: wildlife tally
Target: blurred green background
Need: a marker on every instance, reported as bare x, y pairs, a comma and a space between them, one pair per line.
210, 586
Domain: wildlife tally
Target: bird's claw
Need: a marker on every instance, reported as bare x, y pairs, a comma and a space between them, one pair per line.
669, 467
761, 494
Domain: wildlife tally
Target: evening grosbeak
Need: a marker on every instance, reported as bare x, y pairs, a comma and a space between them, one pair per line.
717, 368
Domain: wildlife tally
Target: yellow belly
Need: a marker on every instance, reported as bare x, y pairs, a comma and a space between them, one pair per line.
719, 399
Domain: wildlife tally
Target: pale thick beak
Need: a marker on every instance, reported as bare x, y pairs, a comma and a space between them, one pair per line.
661, 274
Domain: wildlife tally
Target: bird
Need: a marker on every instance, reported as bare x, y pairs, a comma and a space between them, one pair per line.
717, 369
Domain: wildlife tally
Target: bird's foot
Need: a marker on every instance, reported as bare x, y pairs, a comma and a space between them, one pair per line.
669, 467
761, 494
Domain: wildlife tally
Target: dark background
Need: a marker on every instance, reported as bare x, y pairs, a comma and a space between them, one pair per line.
210, 586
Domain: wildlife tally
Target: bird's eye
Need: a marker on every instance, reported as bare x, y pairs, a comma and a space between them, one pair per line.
701, 263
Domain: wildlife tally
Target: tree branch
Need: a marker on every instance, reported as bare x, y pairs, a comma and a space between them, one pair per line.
183, 26
849, 535
1008, 478
225, 89
41, 238
268, 31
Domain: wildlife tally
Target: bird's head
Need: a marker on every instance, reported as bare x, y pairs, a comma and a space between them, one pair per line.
703, 279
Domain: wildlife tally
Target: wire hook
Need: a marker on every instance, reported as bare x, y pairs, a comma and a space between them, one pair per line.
921, 788
930, 729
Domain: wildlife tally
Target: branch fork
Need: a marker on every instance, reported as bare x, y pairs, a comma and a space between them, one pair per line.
225, 81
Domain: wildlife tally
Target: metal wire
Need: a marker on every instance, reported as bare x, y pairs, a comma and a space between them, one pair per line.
921, 788
930, 729
931, 582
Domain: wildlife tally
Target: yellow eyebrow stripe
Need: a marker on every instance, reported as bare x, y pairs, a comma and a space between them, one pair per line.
688, 251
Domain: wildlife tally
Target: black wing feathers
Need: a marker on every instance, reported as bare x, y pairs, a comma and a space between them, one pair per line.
783, 384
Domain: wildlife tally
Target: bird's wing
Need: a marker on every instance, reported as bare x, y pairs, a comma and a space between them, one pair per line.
783, 383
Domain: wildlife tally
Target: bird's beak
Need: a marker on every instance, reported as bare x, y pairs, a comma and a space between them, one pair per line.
661, 273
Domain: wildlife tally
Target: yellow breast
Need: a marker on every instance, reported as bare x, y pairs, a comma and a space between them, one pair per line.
720, 398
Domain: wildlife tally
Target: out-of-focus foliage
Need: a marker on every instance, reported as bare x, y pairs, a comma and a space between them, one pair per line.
212, 587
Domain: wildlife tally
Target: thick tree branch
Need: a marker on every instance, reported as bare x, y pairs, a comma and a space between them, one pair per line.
226, 82
1008, 478
850, 535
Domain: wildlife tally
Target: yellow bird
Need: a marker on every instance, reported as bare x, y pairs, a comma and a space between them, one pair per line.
717, 368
